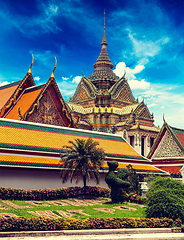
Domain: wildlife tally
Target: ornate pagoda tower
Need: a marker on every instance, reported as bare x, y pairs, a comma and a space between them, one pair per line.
104, 102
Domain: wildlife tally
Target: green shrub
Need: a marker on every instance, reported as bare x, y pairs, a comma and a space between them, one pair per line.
116, 184
165, 198
52, 194
47, 224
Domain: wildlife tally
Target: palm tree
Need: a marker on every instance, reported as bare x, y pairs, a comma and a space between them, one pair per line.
82, 159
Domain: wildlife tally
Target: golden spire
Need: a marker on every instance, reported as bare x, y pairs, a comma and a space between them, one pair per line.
104, 41
52, 75
29, 71
104, 21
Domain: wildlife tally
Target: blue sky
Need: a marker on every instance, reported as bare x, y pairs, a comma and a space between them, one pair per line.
145, 39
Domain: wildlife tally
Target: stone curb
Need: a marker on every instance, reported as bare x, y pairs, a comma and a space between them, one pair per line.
89, 232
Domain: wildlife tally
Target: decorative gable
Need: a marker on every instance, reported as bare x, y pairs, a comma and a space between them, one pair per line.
168, 147
49, 107
47, 113
121, 91
85, 91
82, 95
144, 113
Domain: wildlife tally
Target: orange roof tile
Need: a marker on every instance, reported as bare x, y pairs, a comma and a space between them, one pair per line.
24, 102
180, 137
40, 140
6, 92
171, 169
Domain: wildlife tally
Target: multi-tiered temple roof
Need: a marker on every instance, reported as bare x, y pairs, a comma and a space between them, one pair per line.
103, 77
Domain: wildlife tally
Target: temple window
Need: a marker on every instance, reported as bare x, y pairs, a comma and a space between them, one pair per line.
142, 146
132, 141
151, 141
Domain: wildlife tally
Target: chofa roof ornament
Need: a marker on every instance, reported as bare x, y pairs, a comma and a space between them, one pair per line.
29, 71
52, 75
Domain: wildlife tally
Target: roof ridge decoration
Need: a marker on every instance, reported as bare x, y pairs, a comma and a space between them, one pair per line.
29, 71
52, 75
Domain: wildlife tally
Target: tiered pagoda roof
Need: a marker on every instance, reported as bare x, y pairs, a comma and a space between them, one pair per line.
103, 77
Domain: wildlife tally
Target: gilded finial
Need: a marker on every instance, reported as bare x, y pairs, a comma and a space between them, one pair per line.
104, 21
104, 42
29, 71
163, 118
52, 75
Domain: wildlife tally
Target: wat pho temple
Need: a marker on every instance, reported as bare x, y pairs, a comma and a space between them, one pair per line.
36, 122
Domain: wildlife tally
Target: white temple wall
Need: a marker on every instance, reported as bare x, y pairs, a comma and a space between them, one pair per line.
26, 178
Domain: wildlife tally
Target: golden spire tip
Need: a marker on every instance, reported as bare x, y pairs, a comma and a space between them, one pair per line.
52, 75
29, 71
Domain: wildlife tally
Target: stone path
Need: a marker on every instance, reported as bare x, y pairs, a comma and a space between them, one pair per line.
155, 236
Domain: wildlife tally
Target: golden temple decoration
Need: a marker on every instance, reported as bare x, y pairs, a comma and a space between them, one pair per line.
52, 75
19, 114
29, 71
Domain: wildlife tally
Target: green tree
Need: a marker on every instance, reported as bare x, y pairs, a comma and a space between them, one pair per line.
82, 159
165, 198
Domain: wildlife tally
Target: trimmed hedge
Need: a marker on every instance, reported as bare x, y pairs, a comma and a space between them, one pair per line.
46, 224
52, 194
62, 193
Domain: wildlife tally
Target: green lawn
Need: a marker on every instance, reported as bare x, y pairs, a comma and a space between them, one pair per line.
88, 210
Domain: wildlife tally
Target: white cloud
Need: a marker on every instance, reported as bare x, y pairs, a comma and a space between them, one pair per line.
135, 84
65, 78
76, 79
44, 57
130, 74
37, 78
4, 83
164, 97
67, 93
144, 48
121, 68
152, 105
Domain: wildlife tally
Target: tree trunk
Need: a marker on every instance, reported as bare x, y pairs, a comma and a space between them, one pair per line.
84, 181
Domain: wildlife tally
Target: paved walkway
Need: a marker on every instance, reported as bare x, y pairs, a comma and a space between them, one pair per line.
154, 236
98, 234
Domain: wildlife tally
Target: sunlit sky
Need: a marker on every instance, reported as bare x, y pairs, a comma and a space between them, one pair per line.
145, 39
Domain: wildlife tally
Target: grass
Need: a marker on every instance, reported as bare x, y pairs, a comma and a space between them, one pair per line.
90, 210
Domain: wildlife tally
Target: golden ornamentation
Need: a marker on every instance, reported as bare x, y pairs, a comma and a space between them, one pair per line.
52, 75
29, 71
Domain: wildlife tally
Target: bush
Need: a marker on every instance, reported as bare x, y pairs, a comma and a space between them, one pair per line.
53, 194
165, 198
46, 224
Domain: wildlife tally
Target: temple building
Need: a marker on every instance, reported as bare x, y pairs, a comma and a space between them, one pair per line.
104, 102
24, 101
30, 154
167, 152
